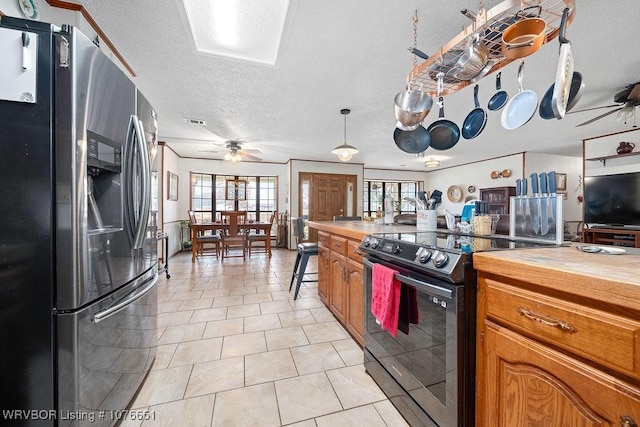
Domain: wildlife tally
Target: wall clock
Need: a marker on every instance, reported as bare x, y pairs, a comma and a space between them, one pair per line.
29, 8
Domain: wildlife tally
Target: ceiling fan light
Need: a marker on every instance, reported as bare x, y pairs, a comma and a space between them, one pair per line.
227, 156
432, 163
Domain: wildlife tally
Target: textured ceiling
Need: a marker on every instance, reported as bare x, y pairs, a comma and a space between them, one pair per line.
353, 54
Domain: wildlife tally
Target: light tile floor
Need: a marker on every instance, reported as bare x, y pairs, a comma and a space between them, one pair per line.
235, 349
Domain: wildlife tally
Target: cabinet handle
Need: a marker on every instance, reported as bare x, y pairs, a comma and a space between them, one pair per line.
358, 252
549, 321
627, 421
345, 274
337, 245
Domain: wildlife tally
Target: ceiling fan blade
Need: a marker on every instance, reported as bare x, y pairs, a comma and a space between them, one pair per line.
635, 92
592, 108
251, 150
246, 156
600, 117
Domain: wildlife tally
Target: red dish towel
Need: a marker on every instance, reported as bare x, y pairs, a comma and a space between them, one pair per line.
385, 297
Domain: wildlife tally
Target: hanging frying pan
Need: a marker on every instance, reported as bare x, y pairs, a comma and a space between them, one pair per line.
577, 88
523, 38
499, 99
564, 73
444, 133
412, 141
568, 86
521, 107
476, 120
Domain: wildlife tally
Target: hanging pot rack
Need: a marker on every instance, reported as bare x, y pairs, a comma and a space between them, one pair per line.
490, 25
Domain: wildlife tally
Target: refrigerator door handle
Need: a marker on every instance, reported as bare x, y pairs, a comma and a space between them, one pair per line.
123, 303
145, 183
138, 197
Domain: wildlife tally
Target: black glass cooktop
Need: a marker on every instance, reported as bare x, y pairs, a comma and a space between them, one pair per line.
462, 243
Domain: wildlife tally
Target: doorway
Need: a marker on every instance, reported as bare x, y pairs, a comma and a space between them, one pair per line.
323, 196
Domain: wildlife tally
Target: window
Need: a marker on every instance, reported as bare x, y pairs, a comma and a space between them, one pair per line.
375, 192
209, 196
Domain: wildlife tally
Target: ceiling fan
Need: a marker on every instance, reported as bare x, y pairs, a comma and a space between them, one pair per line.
235, 152
629, 98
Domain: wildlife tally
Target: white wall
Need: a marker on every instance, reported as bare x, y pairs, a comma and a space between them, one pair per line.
477, 175
606, 146
172, 212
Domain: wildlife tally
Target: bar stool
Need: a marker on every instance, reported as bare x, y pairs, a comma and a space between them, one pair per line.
305, 251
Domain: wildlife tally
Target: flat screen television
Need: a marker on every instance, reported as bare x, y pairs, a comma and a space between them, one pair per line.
612, 200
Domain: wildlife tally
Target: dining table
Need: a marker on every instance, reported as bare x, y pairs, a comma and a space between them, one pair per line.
201, 227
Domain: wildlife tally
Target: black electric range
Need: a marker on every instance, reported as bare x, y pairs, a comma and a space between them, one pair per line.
427, 369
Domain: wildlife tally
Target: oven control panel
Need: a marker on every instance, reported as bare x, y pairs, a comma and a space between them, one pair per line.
414, 255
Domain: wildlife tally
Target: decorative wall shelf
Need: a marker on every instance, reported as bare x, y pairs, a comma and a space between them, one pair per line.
498, 19
604, 159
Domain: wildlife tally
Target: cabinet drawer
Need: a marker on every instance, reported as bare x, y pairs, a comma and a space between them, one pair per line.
606, 338
339, 245
323, 239
353, 251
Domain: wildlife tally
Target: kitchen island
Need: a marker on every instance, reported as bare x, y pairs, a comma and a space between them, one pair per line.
557, 329
558, 338
340, 271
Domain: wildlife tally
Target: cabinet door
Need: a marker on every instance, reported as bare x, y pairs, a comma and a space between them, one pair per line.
498, 198
339, 273
324, 268
530, 384
355, 290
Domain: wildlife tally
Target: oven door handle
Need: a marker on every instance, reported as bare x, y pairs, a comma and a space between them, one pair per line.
426, 287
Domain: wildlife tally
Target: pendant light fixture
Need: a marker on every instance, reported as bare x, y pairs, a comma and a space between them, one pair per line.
345, 151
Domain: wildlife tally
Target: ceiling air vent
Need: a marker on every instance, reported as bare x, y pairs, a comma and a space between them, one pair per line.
195, 122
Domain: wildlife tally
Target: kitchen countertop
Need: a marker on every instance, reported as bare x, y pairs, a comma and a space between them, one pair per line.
613, 279
358, 229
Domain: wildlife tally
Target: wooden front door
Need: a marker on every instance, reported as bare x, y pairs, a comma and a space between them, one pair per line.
328, 196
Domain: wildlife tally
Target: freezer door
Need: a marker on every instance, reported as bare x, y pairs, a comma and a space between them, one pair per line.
106, 349
95, 106
149, 126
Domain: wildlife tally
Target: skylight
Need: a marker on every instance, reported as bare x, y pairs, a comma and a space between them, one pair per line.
249, 30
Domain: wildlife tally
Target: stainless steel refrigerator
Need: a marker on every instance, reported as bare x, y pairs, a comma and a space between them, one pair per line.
78, 261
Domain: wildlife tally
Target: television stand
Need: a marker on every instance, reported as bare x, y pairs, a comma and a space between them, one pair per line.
612, 236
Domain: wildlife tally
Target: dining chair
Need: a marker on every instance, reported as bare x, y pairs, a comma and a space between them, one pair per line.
305, 251
205, 239
258, 240
234, 234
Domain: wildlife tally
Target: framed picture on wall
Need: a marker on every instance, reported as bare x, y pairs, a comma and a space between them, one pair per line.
561, 182
172, 186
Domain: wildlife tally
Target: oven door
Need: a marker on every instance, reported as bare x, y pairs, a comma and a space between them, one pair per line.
427, 363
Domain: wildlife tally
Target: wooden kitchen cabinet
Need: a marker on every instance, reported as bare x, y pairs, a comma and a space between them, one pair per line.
340, 281
324, 271
537, 385
355, 291
497, 198
339, 276
548, 358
